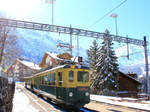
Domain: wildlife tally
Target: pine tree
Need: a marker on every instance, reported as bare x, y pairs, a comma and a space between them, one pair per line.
93, 54
107, 67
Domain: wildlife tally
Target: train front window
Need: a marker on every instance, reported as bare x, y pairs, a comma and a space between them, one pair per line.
82, 76
71, 76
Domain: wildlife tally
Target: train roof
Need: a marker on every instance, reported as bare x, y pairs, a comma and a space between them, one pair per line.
58, 67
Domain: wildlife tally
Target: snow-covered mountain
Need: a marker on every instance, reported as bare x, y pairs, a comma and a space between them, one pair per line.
36, 43
136, 61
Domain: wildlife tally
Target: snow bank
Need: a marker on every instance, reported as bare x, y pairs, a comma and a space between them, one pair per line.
122, 101
21, 102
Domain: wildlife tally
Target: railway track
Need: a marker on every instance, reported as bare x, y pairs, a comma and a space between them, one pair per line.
65, 109
84, 109
58, 107
106, 107
45, 105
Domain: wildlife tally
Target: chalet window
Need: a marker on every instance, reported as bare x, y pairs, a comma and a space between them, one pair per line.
60, 78
71, 76
48, 61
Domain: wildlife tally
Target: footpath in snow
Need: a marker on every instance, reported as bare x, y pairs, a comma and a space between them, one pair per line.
21, 102
128, 102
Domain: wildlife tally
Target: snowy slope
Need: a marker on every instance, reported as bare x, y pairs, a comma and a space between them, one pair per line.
36, 43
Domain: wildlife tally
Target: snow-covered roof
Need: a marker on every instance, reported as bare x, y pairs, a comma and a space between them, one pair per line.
30, 64
53, 55
74, 59
130, 77
46, 70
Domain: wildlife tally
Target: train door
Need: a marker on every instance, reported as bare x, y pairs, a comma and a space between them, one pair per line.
59, 90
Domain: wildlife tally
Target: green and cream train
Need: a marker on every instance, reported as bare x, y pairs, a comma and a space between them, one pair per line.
68, 84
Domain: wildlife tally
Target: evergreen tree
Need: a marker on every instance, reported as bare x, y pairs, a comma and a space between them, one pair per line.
93, 54
107, 67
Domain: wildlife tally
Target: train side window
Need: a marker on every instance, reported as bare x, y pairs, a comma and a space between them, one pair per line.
71, 76
40, 80
60, 78
49, 78
35, 80
46, 79
29, 82
54, 78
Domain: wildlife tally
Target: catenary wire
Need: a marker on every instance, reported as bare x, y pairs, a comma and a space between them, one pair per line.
107, 14
135, 53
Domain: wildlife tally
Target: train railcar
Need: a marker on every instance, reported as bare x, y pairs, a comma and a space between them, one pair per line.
66, 84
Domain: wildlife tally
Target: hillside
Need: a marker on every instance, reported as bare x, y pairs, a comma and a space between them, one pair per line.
36, 43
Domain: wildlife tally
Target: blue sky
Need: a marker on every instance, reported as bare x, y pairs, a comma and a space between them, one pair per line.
133, 16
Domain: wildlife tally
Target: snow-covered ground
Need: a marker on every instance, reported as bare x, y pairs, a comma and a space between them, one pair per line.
21, 102
128, 102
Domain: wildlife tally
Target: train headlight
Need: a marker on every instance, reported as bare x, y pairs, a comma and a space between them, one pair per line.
87, 94
70, 94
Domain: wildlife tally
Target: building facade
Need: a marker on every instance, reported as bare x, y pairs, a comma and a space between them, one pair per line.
129, 86
20, 69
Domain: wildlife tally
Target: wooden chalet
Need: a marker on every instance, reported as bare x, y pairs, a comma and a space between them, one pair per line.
129, 86
53, 59
20, 69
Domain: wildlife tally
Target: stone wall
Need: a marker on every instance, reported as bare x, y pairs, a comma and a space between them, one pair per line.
6, 95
